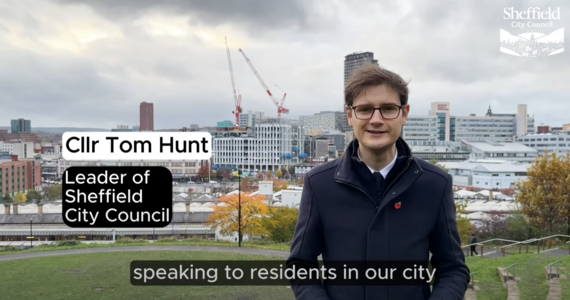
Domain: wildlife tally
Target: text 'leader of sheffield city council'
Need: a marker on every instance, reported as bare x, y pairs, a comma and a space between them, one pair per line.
349, 213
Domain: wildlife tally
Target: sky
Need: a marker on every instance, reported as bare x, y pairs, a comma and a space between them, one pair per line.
90, 63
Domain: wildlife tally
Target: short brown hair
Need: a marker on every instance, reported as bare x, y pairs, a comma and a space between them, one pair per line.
371, 75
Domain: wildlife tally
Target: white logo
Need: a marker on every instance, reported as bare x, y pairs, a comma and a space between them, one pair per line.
532, 44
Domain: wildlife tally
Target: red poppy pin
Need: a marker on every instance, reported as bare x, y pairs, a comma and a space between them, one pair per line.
398, 205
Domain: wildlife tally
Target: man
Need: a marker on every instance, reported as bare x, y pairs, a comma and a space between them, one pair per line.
378, 202
473, 247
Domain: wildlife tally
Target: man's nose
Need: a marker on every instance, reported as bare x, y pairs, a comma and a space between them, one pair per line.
376, 117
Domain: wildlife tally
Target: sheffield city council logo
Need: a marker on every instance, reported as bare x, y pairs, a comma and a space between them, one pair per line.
541, 37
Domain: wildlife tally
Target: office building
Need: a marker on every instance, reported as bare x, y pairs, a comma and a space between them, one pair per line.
547, 142
440, 125
325, 121
266, 147
18, 176
146, 117
21, 126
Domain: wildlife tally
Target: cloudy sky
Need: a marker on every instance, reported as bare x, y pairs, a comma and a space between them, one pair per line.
89, 63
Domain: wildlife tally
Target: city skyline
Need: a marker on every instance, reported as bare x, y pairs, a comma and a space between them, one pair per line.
91, 63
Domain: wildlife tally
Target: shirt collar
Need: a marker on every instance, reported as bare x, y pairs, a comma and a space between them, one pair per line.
386, 169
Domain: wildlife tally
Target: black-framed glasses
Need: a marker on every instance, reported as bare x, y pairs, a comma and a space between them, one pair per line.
388, 111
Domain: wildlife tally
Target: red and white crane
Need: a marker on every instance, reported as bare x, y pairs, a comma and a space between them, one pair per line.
237, 97
280, 108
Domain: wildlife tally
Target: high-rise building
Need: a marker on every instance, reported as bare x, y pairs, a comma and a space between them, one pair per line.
356, 60
21, 126
146, 117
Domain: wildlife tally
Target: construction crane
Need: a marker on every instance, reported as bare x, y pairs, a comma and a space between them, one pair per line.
280, 108
237, 97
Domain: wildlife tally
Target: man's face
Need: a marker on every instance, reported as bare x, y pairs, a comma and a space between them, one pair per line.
377, 132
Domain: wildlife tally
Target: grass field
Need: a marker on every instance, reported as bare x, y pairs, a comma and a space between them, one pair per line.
269, 246
106, 276
530, 270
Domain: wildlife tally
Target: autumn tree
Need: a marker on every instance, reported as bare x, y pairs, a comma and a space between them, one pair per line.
278, 174
279, 185
246, 185
204, 171
280, 224
253, 210
269, 175
543, 196
20, 198
259, 175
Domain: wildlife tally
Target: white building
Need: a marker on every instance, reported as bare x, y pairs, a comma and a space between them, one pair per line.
503, 151
21, 149
266, 148
487, 174
440, 125
559, 143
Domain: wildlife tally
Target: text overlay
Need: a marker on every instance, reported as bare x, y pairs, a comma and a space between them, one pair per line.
110, 197
89, 146
258, 272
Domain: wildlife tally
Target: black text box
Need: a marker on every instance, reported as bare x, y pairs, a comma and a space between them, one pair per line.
117, 197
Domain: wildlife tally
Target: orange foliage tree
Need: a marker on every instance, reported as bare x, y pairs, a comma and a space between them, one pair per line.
246, 185
253, 210
279, 185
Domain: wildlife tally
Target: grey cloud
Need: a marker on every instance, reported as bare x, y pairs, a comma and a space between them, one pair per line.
257, 16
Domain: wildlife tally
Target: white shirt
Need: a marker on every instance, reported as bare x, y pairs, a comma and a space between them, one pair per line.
386, 169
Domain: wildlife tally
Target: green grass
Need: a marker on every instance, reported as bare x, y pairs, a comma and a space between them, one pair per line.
106, 276
530, 270
77, 276
259, 245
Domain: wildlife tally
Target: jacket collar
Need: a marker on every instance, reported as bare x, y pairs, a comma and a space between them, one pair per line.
349, 167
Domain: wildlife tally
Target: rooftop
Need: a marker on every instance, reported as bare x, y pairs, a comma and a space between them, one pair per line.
501, 147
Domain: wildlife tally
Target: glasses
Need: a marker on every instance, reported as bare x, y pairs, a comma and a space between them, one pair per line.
365, 112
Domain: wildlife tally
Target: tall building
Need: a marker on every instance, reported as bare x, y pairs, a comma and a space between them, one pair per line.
146, 117
21, 126
356, 60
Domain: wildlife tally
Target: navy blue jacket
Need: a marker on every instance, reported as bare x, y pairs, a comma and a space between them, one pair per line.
340, 219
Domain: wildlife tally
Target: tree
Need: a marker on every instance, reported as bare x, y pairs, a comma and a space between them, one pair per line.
253, 211
278, 174
279, 185
543, 197
34, 196
246, 185
463, 223
259, 175
269, 175
281, 223
213, 174
54, 192
204, 171
20, 198
301, 180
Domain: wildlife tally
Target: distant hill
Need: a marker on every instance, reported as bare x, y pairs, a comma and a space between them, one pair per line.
61, 129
